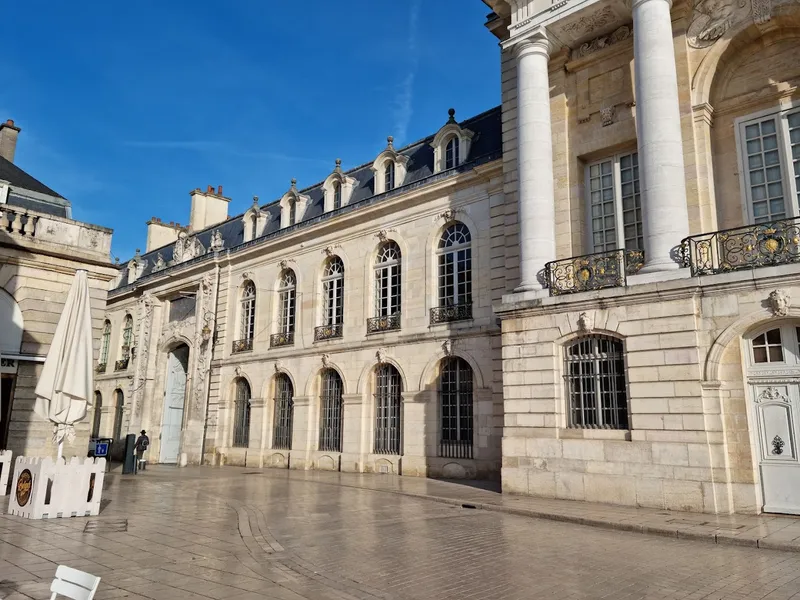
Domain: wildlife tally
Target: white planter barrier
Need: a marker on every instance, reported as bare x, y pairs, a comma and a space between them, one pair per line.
44, 489
5, 470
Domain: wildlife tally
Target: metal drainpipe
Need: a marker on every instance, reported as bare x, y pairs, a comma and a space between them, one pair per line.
208, 378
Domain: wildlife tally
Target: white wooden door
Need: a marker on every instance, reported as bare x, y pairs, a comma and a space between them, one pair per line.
776, 413
174, 398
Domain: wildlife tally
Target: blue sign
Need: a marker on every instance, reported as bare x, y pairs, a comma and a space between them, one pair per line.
101, 449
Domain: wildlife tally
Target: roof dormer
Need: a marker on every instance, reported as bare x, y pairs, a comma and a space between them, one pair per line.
389, 168
136, 267
293, 206
255, 221
338, 188
451, 145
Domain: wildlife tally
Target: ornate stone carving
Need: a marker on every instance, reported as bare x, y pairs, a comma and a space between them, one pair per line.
383, 235
448, 215
587, 24
238, 371
205, 320
145, 326
779, 302
186, 248
217, 243
326, 360
762, 11
604, 41
771, 394
381, 355
278, 366
447, 347
711, 19
585, 322
607, 115
330, 250
160, 263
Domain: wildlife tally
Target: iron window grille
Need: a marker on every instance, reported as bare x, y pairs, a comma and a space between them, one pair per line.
241, 415
592, 271
119, 408
284, 412
455, 273
287, 290
333, 294
594, 371
451, 154
448, 314
330, 426
379, 324
276, 340
388, 288
388, 401
104, 347
328, 332
247, 324
456, 406
98, 413
242, 346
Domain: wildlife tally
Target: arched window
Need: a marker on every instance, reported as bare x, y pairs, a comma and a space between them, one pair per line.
387, 289
247, 323
768, 347
388, 175
287, 289
330, 401
455, 274
451, 155
127, 341
333, 298
98, 412
284, 411
388, 426
105, 344
241, 414
594, 371
119, 407
292, 212
337, 195
455, 404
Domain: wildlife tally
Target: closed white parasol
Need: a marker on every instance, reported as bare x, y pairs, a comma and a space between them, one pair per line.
65, 387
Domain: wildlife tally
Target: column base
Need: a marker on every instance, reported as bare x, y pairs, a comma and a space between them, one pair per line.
654, 267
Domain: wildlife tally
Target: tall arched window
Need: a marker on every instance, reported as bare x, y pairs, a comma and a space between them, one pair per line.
105, 344
119, 407
455, 275
451, 155
241, 414
388, 175
247, 322
98, 413
284, 411
287, 289
333, 300
292, 212
388, 401
337, 195
388, 289
594, 371
127, 341
455, 405
330, 423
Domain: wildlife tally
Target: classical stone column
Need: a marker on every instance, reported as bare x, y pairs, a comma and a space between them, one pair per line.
537, 238
301, 433
354, 428
661, 172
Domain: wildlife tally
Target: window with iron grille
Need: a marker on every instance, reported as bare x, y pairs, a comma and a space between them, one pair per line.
119, 407
286, 302
615, 203
388, 403
333, 291
284, 411
105, 343
451, 155
455, 266
247, 325
388, 176
455, 405
594, 368
337, 195
127, 337
241, 414
330, 426
387, 281
98, 408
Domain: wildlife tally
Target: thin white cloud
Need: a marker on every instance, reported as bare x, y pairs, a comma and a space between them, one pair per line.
404, 107
213, 146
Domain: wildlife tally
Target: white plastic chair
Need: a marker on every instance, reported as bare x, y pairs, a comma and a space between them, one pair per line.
74, 584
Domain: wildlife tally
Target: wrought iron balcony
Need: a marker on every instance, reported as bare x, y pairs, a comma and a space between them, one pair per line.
121, 365
387, 323
453, 312
750, 247
277, 340
100, 368
592, 271
327, 332
242, 345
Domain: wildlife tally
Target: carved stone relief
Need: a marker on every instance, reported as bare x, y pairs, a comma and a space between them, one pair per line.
205, 319
587, 24
771, 394
145, 323
585, 322
779, 302
607, 115
711, 19
604, 41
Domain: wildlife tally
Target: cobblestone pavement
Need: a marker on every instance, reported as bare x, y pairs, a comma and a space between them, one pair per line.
241, 534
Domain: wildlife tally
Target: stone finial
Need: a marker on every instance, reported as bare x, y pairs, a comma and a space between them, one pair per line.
452, 113
138, 253
338, 168
390, 141
255, 201
294, 183
779, 302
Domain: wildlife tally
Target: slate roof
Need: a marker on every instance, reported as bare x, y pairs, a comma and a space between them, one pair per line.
20, 180
487, 144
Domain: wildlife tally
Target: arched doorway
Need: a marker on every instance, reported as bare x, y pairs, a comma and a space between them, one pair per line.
174, 400
772, 357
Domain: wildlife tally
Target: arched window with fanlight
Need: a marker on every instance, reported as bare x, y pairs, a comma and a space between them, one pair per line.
284, 412
241, 414
454, 257
105, 344
452, 153
388, 289
333, 300
330, 423
388, 175
119, 408
287, 295
455, 408
337, 195
247, 318
596, 386
388, 404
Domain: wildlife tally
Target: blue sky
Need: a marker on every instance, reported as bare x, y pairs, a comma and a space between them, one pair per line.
127, 106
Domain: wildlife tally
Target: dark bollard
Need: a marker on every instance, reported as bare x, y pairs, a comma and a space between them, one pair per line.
129, 462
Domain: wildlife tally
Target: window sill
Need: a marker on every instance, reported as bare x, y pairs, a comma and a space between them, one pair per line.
576, 433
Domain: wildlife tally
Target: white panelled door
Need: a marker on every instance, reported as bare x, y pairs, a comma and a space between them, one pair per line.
174, 399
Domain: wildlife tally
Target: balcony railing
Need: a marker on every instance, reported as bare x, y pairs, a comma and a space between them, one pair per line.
327, 332
454, 312
277, 340
100, 368
387, 323
592, 271
121, 365
245, 345
750, 247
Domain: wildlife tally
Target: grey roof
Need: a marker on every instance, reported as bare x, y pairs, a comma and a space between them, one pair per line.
20, 180
487, 144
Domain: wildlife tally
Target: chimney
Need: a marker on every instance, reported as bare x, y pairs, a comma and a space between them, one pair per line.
160, 234
208, 208
8, 140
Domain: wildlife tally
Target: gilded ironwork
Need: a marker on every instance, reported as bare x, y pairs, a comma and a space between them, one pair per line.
453, 312
101, 368
327, 332
281, 339
748, 247
242, 345
121, 365
777, 445
386, 323
592, 271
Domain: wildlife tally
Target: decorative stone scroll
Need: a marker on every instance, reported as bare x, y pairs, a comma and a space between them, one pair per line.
604, 41
589, 23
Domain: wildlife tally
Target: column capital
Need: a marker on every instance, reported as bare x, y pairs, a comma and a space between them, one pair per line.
632, 4
533, 41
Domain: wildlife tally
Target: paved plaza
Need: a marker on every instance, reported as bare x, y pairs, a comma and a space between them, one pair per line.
243, 533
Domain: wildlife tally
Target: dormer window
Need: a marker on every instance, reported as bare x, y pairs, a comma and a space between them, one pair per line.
136, 267
337, 195
389, 169
388, 175
451, 145
338, 188
255, 221
293, 206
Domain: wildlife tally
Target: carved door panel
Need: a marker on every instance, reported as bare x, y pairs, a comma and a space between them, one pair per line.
174, 399
776, 417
